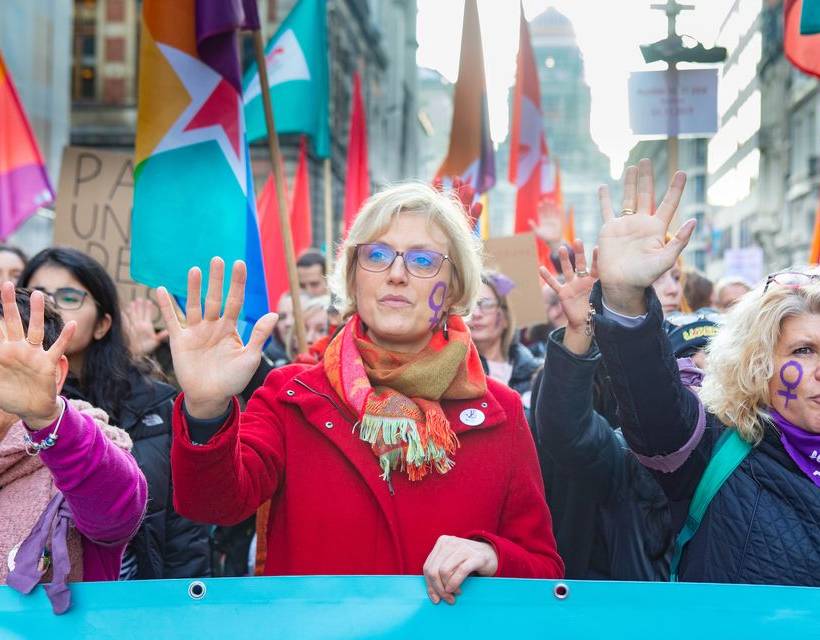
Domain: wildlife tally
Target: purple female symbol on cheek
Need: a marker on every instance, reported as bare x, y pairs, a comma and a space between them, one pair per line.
437, 304
790, 385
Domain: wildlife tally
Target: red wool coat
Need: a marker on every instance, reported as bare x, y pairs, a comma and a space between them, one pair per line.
331, 513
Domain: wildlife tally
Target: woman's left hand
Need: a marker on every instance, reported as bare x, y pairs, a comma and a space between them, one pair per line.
574, 293
451, 561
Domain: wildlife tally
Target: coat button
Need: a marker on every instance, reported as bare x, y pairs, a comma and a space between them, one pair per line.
291, 392
484, 405
328, 425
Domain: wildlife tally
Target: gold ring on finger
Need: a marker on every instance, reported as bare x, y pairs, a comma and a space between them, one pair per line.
34, 344
581, 273
626, 211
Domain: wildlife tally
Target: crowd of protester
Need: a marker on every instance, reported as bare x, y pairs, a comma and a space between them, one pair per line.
422, 431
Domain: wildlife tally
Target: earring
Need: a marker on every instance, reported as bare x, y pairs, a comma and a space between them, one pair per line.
444, 330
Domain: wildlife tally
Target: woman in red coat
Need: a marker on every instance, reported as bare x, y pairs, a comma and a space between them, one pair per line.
395, 455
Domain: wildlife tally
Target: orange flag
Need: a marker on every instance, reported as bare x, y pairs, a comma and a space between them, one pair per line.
569, 226
814, 252
470, 155
357, 177
300, 214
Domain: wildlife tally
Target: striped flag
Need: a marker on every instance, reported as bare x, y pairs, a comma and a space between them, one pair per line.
24, 183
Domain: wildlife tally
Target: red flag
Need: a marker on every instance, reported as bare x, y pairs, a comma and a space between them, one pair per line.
814, 251
300, 215
273, 246
802, 51
24, 185
528, 144
357, 179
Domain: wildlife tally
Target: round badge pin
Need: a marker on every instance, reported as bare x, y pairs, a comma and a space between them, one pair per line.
472, 417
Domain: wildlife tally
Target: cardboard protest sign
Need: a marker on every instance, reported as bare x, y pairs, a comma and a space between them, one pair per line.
93, 213
517, 258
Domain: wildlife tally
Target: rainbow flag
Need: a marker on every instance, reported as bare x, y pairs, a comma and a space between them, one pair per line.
24, 184
193, 196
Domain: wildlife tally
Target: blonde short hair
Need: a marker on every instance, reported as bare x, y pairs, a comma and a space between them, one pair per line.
740, 358
442, 209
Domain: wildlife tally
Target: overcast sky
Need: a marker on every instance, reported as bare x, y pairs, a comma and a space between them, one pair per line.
608, 33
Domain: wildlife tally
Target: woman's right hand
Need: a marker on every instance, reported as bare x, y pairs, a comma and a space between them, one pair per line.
632, 248
210, 361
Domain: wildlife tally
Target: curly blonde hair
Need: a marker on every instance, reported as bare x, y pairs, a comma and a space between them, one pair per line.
740, 358
433, 207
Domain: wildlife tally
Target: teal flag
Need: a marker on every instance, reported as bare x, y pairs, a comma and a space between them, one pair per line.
810, 18
296, 59
381, 607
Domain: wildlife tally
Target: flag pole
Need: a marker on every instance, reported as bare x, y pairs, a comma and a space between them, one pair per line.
328, 218
282, 212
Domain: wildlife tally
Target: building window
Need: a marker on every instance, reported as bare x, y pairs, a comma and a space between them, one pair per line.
84, 47
746, 238
114, 91
700, 224
87, 89
115, 11
700, 151
115, 49
699, 258
700, 188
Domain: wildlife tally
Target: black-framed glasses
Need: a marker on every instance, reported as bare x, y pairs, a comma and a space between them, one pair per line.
421, 263
793, 279
65, 298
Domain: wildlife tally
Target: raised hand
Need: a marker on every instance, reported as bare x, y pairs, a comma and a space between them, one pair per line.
143, 338
29, 375
632, 248
573, 295
210, 361
548, 227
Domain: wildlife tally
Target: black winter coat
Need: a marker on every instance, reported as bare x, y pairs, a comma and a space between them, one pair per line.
611, 518
763, 526
166, 544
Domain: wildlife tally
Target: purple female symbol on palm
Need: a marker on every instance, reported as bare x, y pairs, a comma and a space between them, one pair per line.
790, 384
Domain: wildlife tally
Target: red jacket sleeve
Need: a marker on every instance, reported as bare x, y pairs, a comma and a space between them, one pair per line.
224, 481
524, 543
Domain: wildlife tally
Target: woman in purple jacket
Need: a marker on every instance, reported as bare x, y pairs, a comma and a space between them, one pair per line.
70, 495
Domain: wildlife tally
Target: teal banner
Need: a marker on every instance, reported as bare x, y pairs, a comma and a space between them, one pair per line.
397, 607
810, 18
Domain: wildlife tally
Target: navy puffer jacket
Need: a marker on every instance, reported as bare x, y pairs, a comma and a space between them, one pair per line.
763, 526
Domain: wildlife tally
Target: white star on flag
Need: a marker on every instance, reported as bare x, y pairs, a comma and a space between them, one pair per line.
209, 93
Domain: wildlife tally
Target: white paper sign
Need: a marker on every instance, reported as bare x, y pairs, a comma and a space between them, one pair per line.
744, 263
664, 103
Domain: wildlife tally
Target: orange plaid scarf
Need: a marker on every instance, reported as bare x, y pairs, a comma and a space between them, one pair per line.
396, 395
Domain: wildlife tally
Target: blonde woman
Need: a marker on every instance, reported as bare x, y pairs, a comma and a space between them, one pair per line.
762, 383
396, 454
